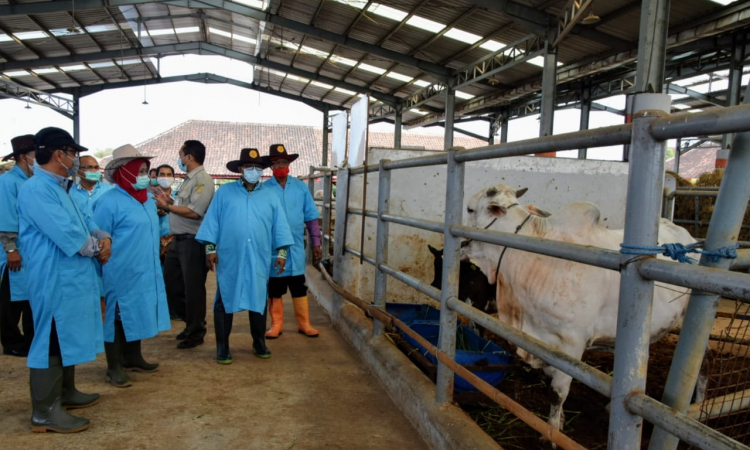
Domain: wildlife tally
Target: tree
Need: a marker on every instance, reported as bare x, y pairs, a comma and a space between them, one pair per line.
670, 152
103, 153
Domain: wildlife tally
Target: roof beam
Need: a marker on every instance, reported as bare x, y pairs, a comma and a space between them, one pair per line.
539, 22
237, 8
9, 89
207, 78
196, 48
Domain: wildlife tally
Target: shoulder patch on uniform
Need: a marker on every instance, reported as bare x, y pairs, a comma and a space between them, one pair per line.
199, 190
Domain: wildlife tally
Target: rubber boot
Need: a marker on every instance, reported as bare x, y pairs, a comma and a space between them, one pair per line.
72, 398
302, 313
277, 318
257, 325
115, 374
46, 398
222, 327
132, 359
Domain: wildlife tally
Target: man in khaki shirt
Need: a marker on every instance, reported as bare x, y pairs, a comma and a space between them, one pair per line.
185, 266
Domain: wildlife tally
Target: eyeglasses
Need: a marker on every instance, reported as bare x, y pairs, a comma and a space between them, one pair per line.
90, 168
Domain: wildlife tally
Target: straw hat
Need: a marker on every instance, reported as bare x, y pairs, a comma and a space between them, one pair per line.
120, 157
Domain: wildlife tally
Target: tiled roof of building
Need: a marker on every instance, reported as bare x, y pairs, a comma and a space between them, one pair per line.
224, 140
695, 162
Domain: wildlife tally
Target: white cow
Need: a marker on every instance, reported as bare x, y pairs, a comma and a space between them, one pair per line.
568, 305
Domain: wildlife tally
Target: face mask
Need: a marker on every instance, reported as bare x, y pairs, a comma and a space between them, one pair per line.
93, 176
153, 182
165, 182
31, 163
141, 183
252, 174
281, 173
181, 165
72, 171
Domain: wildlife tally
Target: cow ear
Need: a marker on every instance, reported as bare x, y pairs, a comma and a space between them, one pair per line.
497, 210
539, 211
520, 192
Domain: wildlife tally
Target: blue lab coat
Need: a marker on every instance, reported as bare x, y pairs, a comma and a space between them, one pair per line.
300, 208
132, 277
62, 283
10, 183
247, 229
86, 202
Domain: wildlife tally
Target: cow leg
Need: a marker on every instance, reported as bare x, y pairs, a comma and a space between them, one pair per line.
559, 389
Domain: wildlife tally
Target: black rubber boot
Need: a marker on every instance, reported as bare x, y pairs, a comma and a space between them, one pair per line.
72, 398
115, 374
257, 331
46, 398
132, 359
223, 328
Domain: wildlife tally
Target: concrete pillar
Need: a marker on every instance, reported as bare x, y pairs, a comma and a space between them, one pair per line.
325, 138
397, 129
549, 85
450, 106
585, 114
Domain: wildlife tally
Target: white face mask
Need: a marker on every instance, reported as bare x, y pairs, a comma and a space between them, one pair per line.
165, 182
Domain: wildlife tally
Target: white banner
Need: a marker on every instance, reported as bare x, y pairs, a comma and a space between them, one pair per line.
358, 132
338, 140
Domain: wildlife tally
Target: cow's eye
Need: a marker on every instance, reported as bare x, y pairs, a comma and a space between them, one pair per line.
470, 211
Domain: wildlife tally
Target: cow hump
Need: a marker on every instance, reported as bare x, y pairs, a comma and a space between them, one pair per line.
576, 216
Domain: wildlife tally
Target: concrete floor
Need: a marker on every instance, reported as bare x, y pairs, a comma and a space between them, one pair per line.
312, 394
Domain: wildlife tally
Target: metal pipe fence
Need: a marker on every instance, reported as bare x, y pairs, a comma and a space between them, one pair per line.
646, 136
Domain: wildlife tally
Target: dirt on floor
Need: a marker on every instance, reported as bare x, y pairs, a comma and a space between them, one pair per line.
312, 394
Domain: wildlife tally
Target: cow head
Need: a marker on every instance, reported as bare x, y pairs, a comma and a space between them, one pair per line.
490, 208
437, 279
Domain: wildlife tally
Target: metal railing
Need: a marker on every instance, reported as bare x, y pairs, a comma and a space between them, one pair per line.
646, 135
327, 205
697, 193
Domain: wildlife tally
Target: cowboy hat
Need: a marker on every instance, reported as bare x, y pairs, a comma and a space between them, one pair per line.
278, 151
248, 156
120, 157
21, 145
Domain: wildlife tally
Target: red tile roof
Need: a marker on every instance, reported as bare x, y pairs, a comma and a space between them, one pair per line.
223, 141
695, 162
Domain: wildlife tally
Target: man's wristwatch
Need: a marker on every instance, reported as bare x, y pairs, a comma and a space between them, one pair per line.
165, 208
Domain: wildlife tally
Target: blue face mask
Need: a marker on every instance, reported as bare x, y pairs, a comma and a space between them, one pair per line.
153, 181
252, 174
181, 165
141, 183
93, 176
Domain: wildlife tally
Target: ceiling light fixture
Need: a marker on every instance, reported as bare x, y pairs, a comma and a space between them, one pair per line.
27, 103
144, 94
72, 28
591, 18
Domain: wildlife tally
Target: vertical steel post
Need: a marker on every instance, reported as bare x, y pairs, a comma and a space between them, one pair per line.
77, 116
652, 46
339, 238
504, 127
311, 187
397, 129
585, 115
454, 201
381, 244
735, 84
549, 83
723, 230
327, 191
645, 184
450, 107
678, 148
325, 138
549, 86
491, 135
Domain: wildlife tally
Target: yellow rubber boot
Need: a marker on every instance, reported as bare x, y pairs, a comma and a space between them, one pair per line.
276, 310
302, 313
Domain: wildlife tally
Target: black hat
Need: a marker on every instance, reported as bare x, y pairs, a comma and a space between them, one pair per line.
248, 156
52, 138
21, 145
277, 151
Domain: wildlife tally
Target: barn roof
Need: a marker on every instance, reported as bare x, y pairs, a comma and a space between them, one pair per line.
224, 140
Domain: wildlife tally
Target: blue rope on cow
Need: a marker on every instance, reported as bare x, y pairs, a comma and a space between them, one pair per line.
679, 252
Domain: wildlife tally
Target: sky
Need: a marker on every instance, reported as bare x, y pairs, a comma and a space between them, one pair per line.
116, 117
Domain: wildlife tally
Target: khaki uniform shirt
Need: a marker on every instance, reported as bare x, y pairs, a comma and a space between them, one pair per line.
195, 193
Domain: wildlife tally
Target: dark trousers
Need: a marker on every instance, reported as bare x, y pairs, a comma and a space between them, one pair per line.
10, 314
175, 287
185, 273
223, 326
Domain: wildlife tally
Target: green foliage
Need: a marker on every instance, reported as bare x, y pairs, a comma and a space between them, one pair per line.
103, 153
